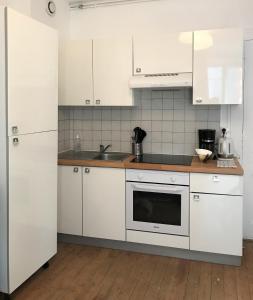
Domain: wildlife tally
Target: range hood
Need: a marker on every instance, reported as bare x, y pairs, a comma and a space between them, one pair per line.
161, 80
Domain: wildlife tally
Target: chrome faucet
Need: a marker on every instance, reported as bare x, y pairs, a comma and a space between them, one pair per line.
103, 148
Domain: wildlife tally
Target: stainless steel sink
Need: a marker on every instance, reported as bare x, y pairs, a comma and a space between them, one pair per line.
90, 155
111, 156
85, 155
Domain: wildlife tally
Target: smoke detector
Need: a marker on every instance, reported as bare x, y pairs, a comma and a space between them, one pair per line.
51, 8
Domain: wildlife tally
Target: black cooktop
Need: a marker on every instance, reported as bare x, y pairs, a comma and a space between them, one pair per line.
165, 159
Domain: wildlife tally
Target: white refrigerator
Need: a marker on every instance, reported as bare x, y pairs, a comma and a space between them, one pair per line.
28, 147
248, 141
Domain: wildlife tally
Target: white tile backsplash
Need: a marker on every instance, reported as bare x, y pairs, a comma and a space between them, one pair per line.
156, 114
167, 148
179, 115
168, 115
169, 118
168, 104
156, 126
146, 114
167, 137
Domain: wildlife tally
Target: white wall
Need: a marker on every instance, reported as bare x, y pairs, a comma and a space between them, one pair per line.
37, 10
162, 16
61, 19
23, 6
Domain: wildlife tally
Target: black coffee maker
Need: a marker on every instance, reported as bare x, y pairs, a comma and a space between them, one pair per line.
207, 139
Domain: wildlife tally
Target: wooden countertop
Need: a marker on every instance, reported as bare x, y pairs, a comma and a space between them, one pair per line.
196, 167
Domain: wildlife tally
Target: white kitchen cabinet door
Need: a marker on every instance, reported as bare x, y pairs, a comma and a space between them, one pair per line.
218, 61
216, 223
163, 53
216, 184
104, 203
32, 204
76, 87
247, 141
32, 75
70, 201
112, 68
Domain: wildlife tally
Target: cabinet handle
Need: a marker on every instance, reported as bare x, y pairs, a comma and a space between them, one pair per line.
76, 170
15, 141
87, 170
138, 70
173, 179
87, 101
199, 100
14, 129
98, 101
216, 179
196, 197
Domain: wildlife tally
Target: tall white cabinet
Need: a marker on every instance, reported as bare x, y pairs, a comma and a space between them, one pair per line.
32, 75
28, 133
32, 204
217, 67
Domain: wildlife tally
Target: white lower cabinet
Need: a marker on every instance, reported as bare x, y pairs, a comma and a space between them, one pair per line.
70, 202
91, 202
104, 203
158, 239
216, 223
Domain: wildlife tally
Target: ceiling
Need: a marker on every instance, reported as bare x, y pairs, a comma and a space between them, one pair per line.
84, 4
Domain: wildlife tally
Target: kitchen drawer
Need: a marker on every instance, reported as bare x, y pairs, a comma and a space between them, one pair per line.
158, 239
216, 184
158, 177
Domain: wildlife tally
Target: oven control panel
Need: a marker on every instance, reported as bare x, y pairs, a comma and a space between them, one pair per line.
158, 177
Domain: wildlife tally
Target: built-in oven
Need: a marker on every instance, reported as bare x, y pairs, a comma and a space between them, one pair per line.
157, 201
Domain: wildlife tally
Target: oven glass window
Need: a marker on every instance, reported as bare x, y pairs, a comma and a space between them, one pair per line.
158, 208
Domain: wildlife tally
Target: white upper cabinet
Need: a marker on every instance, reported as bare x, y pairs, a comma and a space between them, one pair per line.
218, 61
76, 87
112, 68
171, 53
32, 75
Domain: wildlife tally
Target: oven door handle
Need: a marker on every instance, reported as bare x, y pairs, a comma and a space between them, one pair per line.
160, 188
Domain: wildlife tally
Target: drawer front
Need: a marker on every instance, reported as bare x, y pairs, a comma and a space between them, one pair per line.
158, 177
158, 239
216, 184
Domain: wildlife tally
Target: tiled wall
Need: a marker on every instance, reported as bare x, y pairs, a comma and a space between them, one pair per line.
169, 118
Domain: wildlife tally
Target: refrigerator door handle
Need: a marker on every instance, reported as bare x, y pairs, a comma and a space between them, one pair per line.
15, 141
14, 129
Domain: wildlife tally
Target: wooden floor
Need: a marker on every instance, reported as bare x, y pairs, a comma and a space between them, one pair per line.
81, 272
